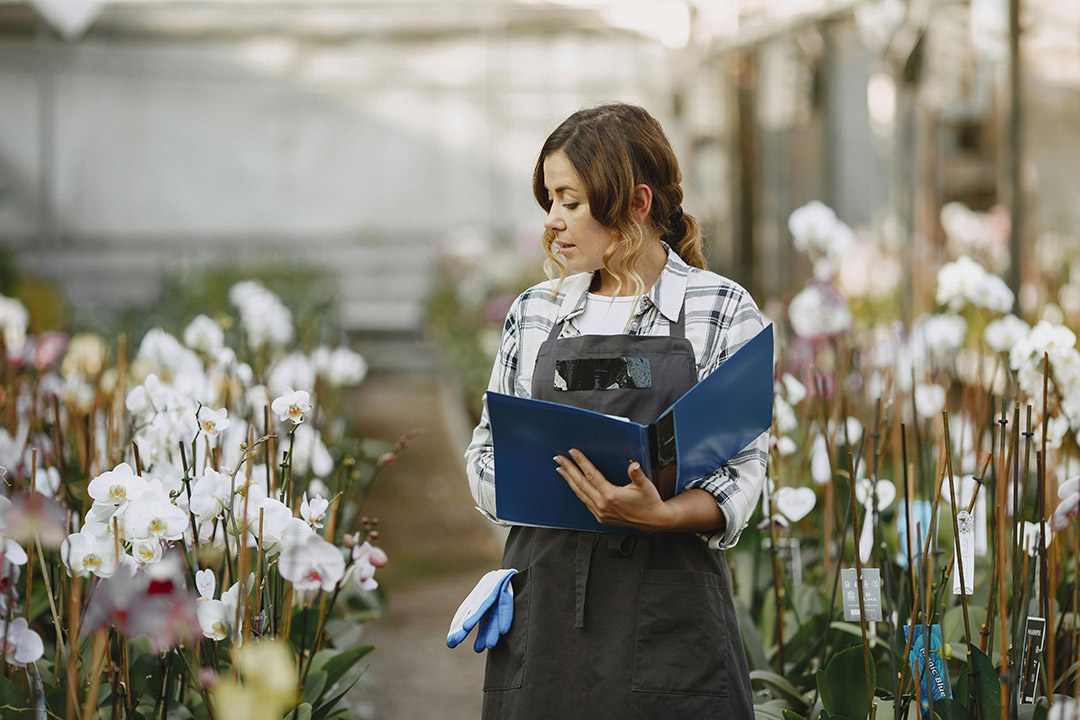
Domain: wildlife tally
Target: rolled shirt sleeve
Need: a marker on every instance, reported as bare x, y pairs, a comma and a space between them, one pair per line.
737, 485
480, 455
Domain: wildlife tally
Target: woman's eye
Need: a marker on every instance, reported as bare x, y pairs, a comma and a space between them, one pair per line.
571, 206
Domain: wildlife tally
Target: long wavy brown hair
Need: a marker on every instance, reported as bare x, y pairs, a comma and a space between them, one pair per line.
613, 148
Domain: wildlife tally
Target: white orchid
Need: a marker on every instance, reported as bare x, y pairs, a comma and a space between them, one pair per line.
212, 422
795, 390
814, 226
366, 558
262, 315
786, 446
292, 405
929, 400
210, 495
84, 553
786, 421
966, 281
314, 564
340, 367
147, 552
939, 336
14, 319
204, 335
309, 453
217, 618
116, 486
294, 370
1069, 494
314, 511
153, 516
1002, 334
819, 310
12, 552
20, 644
166, 355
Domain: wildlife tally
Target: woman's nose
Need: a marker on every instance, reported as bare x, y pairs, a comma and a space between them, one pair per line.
553, 221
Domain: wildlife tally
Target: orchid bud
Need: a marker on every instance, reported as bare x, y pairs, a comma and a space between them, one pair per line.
207, 677
373, 535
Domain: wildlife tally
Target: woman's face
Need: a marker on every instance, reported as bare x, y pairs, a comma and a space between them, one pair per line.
578, 236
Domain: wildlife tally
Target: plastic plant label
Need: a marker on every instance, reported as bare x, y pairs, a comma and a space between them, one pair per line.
928, 665
871, 604
1034, 637
965, 524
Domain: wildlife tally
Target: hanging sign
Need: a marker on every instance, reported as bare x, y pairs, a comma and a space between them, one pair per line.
871, 603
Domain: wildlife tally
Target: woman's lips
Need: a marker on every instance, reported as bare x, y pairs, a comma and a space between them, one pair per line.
565, 248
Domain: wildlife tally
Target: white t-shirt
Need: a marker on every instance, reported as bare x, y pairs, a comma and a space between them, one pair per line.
606, 315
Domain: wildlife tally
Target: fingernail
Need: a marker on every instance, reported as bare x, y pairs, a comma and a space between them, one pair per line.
557, 461
634, 465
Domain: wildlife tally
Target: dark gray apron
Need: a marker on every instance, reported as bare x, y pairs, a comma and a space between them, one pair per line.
610, 625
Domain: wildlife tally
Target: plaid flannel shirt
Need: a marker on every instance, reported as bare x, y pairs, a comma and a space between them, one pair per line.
720, 317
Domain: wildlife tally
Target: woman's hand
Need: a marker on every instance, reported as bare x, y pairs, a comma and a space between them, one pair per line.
638, 504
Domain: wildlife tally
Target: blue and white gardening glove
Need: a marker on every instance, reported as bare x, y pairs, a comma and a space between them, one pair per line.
490, 605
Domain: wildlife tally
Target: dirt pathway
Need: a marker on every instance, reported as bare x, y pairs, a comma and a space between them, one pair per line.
438, 545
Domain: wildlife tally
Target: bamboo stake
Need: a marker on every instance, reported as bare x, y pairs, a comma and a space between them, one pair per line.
1043, 570
30, 549
74, 608
97, 664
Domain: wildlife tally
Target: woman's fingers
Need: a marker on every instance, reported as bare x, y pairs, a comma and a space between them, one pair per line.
584, 487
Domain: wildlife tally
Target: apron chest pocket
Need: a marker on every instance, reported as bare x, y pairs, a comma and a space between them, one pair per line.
506, 661
681, 634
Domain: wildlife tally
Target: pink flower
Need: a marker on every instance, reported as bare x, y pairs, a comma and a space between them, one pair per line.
154, 602
49, 349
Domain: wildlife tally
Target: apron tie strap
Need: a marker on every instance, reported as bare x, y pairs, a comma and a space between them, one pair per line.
582, 560
621, 545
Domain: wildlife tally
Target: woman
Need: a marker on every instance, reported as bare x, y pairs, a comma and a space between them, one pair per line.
621, 626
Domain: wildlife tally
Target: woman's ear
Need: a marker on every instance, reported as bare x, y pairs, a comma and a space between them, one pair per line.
640, 203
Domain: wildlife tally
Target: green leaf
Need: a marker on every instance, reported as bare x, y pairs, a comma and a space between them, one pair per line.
314, 685
768, 712
842, 684
331, 698
792, 715
781, 687
12, 697
951, 709
987, 685
338, 665
302, 712
305, 622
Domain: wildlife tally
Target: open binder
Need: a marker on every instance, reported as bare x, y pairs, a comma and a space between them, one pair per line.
698, 434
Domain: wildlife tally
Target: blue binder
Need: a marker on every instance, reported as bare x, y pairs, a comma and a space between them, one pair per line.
699, 433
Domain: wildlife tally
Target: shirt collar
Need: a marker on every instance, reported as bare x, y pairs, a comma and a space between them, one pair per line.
666, 293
